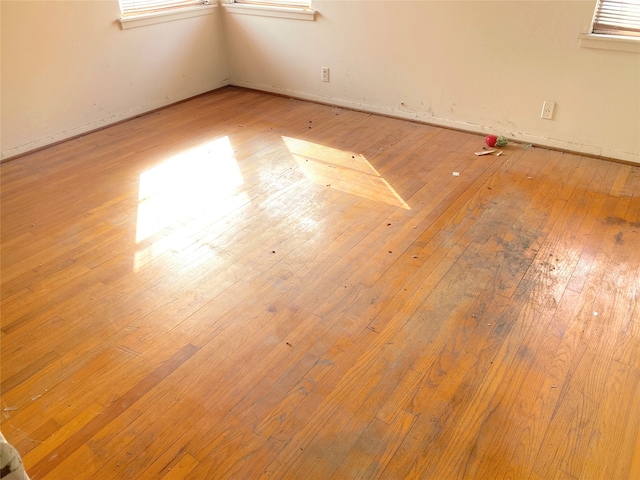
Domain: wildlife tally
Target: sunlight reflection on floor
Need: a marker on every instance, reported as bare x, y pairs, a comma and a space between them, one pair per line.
191, 191
183, 195
342, 170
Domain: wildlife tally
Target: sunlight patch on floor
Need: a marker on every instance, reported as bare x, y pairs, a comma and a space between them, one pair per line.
183, 195
345, 171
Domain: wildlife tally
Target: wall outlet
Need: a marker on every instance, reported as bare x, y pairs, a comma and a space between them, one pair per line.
325, 74
547, 110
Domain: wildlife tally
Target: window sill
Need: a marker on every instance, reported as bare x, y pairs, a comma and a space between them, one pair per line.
610, 42
168, 16
270, 11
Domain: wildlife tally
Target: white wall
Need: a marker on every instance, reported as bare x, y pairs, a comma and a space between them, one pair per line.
68, 68
483, 66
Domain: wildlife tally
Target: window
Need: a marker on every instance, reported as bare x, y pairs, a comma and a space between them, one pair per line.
142, 7
615, 26
138, 13
617, 17
277, 3
293, 9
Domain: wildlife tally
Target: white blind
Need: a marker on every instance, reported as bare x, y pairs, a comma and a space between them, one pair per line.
617, 17
277, 3
139, 7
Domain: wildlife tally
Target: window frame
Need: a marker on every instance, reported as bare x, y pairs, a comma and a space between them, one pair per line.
608, 12
168, 14
610, 38
291, 9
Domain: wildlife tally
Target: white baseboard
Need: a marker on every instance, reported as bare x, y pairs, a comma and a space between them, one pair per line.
519, 137
104, 122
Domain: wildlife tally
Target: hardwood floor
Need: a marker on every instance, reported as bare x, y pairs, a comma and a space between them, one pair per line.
246, 286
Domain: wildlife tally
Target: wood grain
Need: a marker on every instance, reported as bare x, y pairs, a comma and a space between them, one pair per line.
249, 286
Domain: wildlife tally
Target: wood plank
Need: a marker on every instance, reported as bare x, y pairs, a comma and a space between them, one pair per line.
79, 437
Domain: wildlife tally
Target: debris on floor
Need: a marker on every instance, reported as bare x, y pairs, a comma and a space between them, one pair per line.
497, 153
456, 174
496, 141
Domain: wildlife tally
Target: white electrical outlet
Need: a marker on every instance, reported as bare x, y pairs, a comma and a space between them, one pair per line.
325, 74
547, 110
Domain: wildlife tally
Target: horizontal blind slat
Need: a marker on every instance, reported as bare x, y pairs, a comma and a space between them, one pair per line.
617, 17
276, 3
137, 7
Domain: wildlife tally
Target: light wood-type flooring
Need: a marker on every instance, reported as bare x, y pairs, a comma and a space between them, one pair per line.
247, 286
